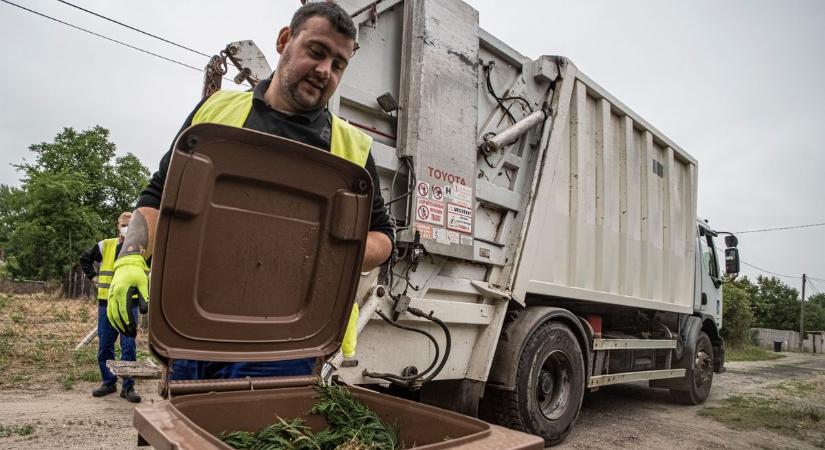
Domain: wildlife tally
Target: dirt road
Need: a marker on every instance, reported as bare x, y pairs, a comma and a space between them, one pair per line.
624, 416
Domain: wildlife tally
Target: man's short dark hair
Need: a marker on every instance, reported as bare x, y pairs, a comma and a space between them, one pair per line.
336, 15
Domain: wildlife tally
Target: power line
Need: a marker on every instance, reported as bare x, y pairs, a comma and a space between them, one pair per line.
102, 36
779, 274
109, 39
133, 28
766, 271
781, 228
814, 287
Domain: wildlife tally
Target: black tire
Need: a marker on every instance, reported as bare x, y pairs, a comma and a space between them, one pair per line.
697, 381
549, 386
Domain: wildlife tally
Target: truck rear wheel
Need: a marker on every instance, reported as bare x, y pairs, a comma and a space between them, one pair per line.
697, 381
549, 386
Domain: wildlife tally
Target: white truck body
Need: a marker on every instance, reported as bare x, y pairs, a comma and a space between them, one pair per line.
609, 201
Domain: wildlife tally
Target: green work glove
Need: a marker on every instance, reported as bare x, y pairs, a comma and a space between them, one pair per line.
351, 335
130, 282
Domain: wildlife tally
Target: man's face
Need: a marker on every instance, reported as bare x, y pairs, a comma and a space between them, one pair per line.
312, 63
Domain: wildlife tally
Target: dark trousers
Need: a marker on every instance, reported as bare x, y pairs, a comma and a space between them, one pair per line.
187, 369
106, 337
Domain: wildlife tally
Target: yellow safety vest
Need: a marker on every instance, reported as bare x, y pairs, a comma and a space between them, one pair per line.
107, 264
233, 107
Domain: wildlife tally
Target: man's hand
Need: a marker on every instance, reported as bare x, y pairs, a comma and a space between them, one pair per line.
130, 279
94, 280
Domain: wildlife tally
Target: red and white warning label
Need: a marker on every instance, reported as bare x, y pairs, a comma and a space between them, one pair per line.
425, 230
459, 218
429, 211
438, 194
423, 189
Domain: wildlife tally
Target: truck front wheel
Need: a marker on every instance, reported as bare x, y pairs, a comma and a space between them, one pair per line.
549, 386
698, 380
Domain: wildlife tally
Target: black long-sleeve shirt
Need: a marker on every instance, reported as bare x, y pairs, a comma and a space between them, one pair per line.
313, 128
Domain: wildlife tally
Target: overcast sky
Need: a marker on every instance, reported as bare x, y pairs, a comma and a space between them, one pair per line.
737, 84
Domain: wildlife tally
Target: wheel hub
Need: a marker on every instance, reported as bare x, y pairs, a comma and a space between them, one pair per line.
554, 385
703, 368
546, 382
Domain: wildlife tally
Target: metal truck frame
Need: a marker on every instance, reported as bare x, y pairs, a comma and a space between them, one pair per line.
547, 234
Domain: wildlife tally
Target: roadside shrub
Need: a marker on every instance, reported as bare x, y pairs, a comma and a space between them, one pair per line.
737, 316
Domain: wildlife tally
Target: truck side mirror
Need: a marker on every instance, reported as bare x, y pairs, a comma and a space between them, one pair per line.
731, 261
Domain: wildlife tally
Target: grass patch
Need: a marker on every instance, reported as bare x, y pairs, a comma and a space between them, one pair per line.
25, 430
3, 301
16, 317
750, 353
91, 375
67, 381
797, 388
746, 412
83, 315
37, 336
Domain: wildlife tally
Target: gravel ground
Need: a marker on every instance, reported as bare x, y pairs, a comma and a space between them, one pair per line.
623, 416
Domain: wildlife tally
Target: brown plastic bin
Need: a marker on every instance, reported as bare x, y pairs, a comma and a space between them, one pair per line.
192, 421
257, 258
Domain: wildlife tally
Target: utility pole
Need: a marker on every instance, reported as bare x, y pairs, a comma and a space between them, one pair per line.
802, 316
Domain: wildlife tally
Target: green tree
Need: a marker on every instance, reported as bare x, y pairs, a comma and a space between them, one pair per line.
70, 198
737, 316
815, 312
10, 206
817, 299
775, 304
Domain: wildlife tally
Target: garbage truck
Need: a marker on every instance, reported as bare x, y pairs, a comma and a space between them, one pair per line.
547, 235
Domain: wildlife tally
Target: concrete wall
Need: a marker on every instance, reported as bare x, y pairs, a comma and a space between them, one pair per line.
765, 337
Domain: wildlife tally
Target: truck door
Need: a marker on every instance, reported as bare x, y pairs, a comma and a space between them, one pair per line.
710, 299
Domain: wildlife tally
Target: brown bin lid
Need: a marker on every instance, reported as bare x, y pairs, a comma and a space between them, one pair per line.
258, 248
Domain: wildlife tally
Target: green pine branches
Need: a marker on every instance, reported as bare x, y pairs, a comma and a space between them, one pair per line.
352, 426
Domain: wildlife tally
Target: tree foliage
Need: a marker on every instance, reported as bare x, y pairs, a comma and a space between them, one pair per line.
767, 303
69, 199
737, 315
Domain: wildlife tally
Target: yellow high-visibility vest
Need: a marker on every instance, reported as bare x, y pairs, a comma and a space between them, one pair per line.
233, 107
107, 264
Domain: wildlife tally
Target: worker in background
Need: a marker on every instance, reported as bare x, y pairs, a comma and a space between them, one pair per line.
104, 253
315, 50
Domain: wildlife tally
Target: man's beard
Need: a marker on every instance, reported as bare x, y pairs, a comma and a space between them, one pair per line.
291, 87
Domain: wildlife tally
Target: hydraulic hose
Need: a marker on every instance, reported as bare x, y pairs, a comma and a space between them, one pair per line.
410, 381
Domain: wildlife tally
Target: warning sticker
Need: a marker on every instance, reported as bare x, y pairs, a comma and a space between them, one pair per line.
423, 189
466, 240
429, 211
425, 230
454, 237
441, 236
459, 218
461, 195
438, 194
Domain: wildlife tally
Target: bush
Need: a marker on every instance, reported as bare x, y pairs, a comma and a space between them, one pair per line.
737, 316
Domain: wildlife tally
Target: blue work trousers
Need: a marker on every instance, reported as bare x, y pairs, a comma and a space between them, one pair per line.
106, 337
188, 369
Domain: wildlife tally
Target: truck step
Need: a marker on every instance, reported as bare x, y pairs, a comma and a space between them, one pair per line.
604, 380
632, 344
134, 369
